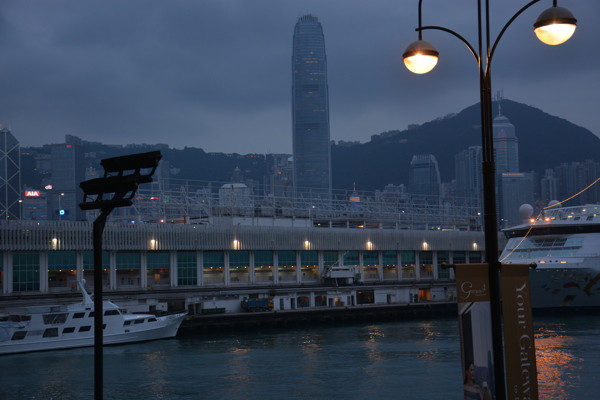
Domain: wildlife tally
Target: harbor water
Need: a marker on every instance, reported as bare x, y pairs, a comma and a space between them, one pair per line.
410, 360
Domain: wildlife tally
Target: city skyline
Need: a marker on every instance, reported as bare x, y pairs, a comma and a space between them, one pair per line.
215, 75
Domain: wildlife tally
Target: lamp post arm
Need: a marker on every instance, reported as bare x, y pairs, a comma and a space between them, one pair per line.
450, 31
510, 21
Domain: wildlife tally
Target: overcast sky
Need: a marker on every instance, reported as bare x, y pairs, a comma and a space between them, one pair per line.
216, 74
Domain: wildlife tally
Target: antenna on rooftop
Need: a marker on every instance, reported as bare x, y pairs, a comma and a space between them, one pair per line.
499, 98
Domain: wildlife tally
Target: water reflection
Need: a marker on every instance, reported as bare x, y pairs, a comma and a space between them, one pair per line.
416, 360
559, 370
427, 331
309, 368
372, 349
54, 380
155, 368
238, 371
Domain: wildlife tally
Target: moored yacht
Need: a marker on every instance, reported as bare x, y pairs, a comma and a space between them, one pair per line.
38, 328
564, 242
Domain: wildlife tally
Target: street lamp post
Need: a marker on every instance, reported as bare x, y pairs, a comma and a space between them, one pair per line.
553, 26
116, 189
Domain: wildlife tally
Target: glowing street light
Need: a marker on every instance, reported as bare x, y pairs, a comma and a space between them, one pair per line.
554, 26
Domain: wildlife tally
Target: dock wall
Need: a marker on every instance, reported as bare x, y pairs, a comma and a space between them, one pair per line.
236, 322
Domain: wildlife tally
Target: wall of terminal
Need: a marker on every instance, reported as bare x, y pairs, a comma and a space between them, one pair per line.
66, 235
60, 270
53, 256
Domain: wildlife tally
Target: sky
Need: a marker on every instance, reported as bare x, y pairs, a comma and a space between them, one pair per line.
216, 74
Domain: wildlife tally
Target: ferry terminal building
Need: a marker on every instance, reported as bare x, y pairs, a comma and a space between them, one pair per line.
163, 267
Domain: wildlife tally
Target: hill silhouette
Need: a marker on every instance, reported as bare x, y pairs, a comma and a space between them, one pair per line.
545, 141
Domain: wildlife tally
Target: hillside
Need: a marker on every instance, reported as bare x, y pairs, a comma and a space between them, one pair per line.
544, 142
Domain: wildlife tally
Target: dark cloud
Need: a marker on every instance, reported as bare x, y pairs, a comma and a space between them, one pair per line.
216, 73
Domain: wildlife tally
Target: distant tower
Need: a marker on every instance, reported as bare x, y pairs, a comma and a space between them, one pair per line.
506, 144
310, 109
68, 171
514, 190
573, 178
424, 176
237, 176
279, 180
469, 176
10, 175
549, 187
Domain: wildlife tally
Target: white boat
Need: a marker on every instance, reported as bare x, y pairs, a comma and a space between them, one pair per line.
68, 326
565, 245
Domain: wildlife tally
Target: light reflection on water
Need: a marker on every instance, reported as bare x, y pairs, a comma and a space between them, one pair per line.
154, 366
412, 360
567, 355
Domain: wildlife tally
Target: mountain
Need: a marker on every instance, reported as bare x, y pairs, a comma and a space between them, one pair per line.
545, 141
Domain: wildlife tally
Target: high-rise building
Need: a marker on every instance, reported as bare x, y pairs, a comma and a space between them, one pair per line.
574, 180
549, 187
278, 181
310, 110
10, 175
514, 190
424, 177
68, 171
467, 165
35, 205
506, 145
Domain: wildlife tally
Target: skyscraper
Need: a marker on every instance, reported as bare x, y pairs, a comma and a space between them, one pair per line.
424, 177
10, 175
68, 171
549, 187
469, 177
310, 110
506, 145
515, 189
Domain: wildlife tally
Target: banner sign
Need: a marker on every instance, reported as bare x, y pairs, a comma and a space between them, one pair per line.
475, 322
519, 347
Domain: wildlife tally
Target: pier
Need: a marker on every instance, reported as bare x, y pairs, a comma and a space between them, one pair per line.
236, 322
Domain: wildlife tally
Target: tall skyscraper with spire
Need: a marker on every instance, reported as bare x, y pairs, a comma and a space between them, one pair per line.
310, 110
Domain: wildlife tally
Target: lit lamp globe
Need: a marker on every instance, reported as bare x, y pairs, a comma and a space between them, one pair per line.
420, 57
554, 26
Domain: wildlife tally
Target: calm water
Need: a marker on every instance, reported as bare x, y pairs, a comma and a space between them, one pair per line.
409, 360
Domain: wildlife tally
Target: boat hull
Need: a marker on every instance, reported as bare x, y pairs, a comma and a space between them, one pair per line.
565, 287
117, 334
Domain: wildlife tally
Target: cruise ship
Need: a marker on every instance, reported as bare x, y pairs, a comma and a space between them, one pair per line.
564, 242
